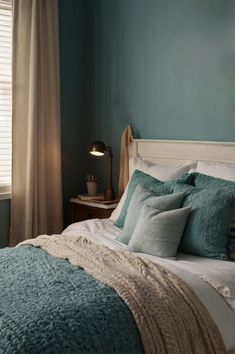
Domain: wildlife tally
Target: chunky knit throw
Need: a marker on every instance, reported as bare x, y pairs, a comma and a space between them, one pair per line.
50, 306
169, 316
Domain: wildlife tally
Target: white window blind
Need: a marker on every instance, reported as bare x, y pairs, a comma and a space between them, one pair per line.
5, 94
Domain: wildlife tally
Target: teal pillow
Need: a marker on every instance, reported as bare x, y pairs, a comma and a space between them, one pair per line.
204, 181
140, 196
207, 182
187, 178
144, 180
158, 232
231, 246
206, 230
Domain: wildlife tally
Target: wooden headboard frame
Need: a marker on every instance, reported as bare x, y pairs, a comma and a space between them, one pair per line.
174, 152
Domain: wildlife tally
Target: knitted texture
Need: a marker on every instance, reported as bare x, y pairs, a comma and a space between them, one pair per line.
169, 316
50, 306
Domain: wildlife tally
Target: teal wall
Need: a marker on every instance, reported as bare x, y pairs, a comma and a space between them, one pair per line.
167, 67
4, 222
74, 125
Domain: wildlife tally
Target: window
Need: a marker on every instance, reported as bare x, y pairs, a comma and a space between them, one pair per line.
5, 96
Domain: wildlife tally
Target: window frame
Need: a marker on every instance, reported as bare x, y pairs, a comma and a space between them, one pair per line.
6, 99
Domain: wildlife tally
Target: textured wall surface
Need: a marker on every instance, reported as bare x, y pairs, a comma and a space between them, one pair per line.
167, 67
4, 222
72, 20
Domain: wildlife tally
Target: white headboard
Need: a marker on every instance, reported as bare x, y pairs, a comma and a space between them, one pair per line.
173, 152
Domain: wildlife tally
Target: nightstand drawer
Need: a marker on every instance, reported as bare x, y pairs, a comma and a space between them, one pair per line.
80, 211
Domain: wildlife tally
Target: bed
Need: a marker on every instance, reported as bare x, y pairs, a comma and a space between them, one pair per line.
56, 298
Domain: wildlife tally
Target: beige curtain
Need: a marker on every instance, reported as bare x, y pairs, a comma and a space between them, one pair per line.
124, 160
36, 181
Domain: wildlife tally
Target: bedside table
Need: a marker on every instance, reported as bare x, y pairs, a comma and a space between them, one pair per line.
83, 210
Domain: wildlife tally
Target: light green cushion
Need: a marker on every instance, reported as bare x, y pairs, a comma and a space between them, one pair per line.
209, 221
144, 180
158, 232
140, 196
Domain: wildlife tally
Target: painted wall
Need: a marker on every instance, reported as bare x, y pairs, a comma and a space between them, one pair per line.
74, 123
4, 222
167, 67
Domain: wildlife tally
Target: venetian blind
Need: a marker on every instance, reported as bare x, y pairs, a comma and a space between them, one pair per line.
5, 94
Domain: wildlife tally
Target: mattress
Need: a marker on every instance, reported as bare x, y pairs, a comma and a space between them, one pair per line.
213, 281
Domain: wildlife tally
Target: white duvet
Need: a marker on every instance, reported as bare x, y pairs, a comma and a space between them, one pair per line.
213, 281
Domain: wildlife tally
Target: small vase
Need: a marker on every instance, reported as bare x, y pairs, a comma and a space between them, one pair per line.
92, 188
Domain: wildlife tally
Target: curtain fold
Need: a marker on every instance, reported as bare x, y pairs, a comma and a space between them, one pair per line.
36, 206
126, 140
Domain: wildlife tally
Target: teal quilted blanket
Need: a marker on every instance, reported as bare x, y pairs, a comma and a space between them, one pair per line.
50, 306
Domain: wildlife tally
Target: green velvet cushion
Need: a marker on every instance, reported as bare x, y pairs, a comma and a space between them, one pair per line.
158, 232
206, 230
144, 180
140, 196
204, 181
208, 182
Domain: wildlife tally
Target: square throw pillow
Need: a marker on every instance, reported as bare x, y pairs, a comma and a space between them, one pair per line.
217, 169
204, 181
144, 180
206, 230
158, 232
231, 248
161, 172
140, 196
117, 211
208, 182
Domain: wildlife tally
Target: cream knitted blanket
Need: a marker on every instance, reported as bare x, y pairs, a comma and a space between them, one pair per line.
168, 314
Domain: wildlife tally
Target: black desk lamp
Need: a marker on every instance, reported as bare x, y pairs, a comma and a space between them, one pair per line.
98, 148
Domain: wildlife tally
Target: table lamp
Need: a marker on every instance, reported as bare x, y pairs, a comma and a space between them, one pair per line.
98, 148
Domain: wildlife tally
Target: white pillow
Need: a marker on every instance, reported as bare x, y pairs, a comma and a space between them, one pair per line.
161, 172
217, 169
115, 214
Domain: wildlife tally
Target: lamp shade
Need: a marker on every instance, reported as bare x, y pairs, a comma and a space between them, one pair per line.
97, 148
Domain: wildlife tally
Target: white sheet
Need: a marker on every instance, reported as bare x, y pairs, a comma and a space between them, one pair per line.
213, 281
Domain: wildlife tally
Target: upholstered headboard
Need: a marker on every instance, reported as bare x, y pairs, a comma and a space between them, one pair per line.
173, 152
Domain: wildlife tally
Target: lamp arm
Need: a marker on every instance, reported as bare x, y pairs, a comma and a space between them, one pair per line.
110, 192
111, 169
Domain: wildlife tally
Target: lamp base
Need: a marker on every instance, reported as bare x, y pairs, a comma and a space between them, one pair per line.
109, 194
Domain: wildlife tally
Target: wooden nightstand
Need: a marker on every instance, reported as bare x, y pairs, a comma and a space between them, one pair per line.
83, 210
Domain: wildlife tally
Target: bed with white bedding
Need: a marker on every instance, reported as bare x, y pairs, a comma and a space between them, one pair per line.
82, 291
213, 281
